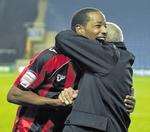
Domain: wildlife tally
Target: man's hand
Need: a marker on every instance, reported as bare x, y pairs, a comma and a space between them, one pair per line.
129, 102
68, 95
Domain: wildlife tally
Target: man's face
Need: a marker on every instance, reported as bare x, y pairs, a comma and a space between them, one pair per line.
95, 27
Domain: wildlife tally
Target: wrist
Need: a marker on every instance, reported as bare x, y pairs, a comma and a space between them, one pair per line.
55, 102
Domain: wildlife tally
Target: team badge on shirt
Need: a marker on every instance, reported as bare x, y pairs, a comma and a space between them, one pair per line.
27, 79
60, 77
53, 50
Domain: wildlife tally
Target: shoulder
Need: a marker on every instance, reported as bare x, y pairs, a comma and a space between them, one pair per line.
41, 58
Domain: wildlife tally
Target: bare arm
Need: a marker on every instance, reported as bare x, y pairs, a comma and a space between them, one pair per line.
21, 97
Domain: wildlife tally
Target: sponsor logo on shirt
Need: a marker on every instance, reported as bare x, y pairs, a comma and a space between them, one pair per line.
27, 79
60, 77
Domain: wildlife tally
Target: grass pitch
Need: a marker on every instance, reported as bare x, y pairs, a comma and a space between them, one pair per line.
140, 117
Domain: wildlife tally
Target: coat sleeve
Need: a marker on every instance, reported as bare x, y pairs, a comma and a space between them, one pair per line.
94, 55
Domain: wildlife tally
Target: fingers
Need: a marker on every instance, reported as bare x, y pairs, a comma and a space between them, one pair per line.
60, 97
71, 92
75, 94
129, 99
129, 111
129, 103
129, 107
67, 96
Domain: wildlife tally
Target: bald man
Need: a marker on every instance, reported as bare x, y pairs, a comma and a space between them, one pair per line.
115, 35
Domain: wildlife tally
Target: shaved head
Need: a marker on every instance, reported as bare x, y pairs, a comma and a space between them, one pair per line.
114, 33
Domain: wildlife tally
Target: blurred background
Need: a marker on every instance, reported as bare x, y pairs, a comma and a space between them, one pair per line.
29, 26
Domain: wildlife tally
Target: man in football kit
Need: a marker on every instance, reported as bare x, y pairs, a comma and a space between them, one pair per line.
36, 89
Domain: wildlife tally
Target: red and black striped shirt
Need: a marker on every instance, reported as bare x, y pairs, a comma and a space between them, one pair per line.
46, 73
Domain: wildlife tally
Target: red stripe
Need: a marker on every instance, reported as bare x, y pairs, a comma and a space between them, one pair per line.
48, 127
56, 62
17, 119
43, 91
70, 76
23, 125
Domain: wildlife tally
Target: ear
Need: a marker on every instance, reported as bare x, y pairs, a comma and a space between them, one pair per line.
80, 29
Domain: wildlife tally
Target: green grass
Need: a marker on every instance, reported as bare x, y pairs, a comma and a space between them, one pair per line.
140, 117
7, 110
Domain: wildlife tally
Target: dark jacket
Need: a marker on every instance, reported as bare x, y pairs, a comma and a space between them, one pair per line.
103, 86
